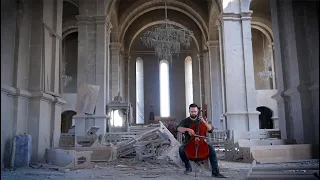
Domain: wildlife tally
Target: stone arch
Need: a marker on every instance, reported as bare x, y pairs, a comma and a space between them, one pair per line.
215, 10
70, 60
66, 120
174, 5
72, 2
264, 31
69, 24
69, 28
263, 24
155, 23
265, 117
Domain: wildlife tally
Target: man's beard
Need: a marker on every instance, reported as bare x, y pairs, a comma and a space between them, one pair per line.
193, 116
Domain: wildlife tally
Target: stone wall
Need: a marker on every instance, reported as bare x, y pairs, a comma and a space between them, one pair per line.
296, 28
29, 103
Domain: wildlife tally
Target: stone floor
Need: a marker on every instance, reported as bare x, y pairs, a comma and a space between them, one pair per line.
125, 169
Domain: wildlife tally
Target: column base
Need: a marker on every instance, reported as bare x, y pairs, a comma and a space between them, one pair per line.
253, 118
242, 121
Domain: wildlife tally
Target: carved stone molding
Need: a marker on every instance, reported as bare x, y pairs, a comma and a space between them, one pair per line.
102, 19
212, 44
85, 19
115, 45
230, 17
246, 15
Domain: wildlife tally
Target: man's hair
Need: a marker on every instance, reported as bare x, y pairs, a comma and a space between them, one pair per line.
193, 105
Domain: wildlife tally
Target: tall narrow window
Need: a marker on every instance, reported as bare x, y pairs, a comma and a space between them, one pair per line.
139, 92
188, 82
164, 89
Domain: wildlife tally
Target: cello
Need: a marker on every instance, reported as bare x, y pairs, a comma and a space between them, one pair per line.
197, 148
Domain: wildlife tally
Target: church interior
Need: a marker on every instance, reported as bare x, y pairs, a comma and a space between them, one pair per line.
110, 79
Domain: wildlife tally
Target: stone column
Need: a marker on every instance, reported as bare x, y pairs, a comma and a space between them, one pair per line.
122, 72
199, 58
295, 28
93, 67
102, 66
239, 77
83, 69
278, 70
115, 68
249, 71
215, 82
207, 83
196, 78
128, 77
44, 109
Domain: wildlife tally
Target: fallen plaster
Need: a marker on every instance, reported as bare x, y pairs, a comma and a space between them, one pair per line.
124, 169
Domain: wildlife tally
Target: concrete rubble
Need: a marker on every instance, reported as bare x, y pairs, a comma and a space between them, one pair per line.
142, 153
151, 153
122, 169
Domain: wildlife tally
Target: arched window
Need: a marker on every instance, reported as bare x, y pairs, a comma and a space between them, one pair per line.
263, 59
188, 82
164, 89
139, 92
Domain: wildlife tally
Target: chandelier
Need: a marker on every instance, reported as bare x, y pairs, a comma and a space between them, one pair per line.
166, 39
65, 78
266, 73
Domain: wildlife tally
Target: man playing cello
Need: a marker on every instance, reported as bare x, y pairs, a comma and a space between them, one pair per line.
183, 127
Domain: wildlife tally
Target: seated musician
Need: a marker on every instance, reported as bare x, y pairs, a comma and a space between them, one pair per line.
183, 127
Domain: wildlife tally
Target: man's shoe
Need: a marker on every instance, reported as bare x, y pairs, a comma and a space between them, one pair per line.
216, 173
188, 168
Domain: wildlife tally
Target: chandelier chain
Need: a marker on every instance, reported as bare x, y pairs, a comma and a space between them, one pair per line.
166, 39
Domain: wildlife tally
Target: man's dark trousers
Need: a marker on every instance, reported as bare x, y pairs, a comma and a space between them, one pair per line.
212, 157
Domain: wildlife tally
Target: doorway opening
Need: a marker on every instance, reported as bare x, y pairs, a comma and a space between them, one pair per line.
66, 120
265, 118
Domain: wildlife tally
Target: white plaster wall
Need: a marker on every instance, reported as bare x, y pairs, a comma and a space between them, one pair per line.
24, 106
71, 101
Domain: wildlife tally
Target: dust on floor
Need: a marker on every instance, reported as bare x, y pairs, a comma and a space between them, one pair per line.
125, 169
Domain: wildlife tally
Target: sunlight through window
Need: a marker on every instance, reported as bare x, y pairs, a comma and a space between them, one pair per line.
139, 92
164, 89
188, 83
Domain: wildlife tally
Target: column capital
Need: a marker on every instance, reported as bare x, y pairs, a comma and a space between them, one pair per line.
205, 49
84, 19
109, 27
246, 15
115, 45
124, 54
212, 43
271, 46
101, 19
229, 16
218, 24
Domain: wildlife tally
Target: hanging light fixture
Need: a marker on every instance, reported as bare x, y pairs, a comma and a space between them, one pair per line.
266, 73
65, 78
166, 39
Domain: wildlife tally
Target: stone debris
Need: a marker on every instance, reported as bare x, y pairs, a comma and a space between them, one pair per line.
125, 169
306, 169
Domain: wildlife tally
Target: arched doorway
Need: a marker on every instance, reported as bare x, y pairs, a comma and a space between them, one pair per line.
66, 120
265, 118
